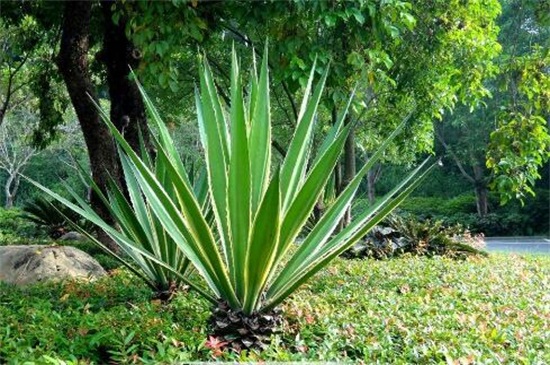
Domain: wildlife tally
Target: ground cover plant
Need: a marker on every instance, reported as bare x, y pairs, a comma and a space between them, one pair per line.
237, 232
14, 229
407, 310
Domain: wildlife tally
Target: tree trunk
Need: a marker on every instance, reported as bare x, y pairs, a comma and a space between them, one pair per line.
481, 200
73, 66
372, 178
349, 169
119, 55
480, 188
10, 191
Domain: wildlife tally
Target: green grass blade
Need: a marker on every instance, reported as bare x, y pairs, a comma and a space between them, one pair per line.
309, 193
187, 227
216, 164
335, 129
84, 210
328, 222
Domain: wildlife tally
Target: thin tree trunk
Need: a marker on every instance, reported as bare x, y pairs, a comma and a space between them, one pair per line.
73, 65
480, 188
11, 89
349, 168
482, 204
477, 179
372, 178
10, 191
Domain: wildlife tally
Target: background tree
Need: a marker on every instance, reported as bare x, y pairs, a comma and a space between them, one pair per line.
16, 151
503, 143
424, 58
520, 144
19, 42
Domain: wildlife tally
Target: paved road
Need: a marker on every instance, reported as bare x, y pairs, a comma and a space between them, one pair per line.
539, 245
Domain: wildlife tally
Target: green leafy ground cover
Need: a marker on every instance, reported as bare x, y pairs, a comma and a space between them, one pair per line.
409, 310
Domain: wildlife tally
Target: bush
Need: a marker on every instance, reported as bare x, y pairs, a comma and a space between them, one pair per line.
512, 219
430, 207
403, 235
15, 230
51, 216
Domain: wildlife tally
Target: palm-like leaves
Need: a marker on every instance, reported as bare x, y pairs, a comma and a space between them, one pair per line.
258, 209
52, 215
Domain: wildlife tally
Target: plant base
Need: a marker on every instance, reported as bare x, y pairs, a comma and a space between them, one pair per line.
239, 331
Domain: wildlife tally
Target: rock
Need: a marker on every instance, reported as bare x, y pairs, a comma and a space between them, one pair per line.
72, 236
22, 265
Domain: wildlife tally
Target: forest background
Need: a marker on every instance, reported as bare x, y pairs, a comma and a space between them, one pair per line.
471, 76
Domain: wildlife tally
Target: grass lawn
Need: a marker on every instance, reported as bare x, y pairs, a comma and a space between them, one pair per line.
409, 310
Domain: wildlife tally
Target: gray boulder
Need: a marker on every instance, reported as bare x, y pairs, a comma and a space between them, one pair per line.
72, 236
22, 265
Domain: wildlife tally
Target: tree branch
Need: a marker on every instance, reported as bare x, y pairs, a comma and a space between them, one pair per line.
439, 137
9, 90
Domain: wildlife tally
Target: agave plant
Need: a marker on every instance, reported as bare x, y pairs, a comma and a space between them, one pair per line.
244, 253
147, 248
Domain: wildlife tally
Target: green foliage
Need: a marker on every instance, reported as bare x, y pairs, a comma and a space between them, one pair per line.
93, 321
521, 143
258, 211
52, 216
400, 235
147, 248
397, 311
436, 207
400, 54
513, 219
14, 229
433, 238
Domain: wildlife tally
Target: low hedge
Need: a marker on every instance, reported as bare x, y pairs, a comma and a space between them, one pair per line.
512, 219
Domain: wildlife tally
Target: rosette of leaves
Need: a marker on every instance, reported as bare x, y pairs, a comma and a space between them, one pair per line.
244, 254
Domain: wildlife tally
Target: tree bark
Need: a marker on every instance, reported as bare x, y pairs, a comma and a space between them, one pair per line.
349, 168
482, 204
73, 66
372, 178
119, 55
481, 192
10, 190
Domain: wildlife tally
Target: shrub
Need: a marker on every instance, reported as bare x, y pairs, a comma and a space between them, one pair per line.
14, 229
511, 219
403, 235
52, 216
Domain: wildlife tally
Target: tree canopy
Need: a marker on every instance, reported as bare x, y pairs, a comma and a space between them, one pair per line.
422, 59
